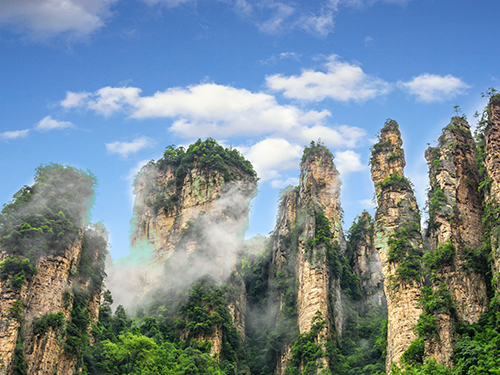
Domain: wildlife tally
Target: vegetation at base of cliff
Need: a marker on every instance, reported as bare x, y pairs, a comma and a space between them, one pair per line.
407, 256
46, 217
477, 350
77, 339
16, 270
316, 149
362, 348
307, 351
151, 342
206, 155
268, 328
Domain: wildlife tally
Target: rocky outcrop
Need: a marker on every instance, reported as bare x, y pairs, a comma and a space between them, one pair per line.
492, 178
43, 295
365, 262
455, 217
398, 240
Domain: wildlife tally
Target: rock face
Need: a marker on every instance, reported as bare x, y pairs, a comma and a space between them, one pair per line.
455, 217
398, 240
44, 294
193, 215
299, 251
492, 166
365, 262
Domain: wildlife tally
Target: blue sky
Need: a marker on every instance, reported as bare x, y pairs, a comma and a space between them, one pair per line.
105, 85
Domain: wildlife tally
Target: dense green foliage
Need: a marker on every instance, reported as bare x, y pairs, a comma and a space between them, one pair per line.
17, 271
208, 156
307, 351
151, 342
55, 321
47, 216
316, 149
395, 181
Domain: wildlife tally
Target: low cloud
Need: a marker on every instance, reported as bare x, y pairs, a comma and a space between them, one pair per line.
342, 82
48, 123
348, 161
271, 156
47, 18
429, 88
14, 134
126, 148
218, 111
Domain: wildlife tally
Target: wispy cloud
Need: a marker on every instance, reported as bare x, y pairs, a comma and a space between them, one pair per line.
48, 123
341, 81
47, 18
434, 88
14, 134
126, 148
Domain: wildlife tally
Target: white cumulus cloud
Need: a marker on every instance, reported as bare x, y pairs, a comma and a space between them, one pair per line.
45, 18
434, 88
348, 161
219, 111
48, 123
341, 81
14, 134
271, 156
126, 148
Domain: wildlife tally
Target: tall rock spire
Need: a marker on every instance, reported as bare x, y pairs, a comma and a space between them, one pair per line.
398, 240
454, 227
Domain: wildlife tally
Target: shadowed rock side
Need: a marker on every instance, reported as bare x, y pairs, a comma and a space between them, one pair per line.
398, 240
365, 262
492, 183
455, 227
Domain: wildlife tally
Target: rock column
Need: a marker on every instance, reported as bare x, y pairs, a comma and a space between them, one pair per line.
398, 240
